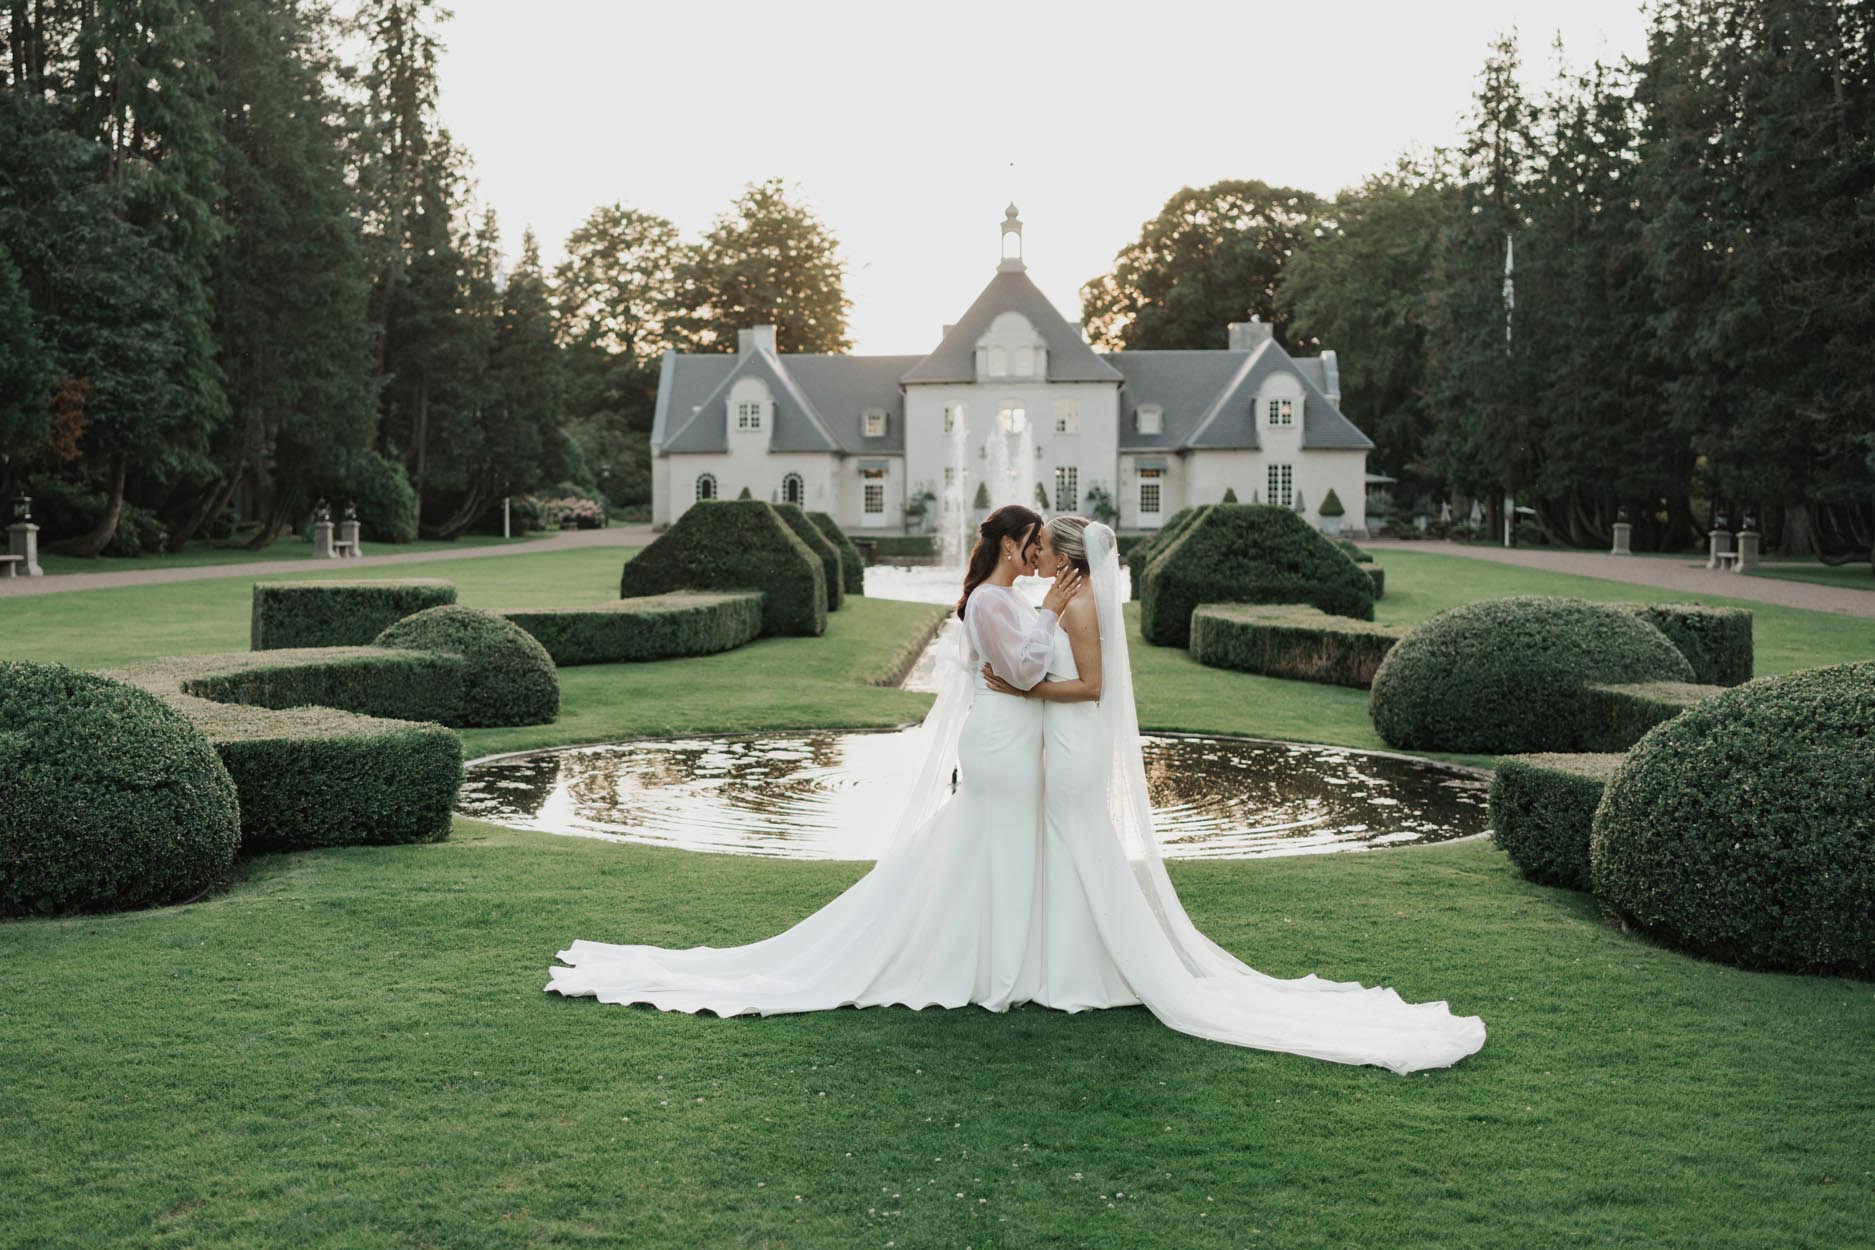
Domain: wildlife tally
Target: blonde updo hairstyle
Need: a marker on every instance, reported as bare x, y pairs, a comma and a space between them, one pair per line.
1068, 536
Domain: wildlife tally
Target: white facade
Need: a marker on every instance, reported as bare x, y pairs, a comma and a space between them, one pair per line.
859, 437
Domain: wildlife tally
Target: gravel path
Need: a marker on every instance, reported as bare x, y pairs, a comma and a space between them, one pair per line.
53, 583
1677, 575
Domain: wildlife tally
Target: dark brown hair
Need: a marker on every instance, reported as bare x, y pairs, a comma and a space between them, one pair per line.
1012, 520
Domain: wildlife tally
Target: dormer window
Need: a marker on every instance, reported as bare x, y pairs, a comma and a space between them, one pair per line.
749, 416
1282, 412
1011, 348
873, 422
1150, 419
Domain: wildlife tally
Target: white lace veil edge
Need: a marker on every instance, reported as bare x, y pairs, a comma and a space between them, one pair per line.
939, 733
1128, 802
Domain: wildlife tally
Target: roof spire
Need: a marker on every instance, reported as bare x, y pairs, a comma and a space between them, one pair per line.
1012, 242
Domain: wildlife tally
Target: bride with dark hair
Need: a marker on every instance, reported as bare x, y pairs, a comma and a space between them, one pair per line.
1024, 867
945, 916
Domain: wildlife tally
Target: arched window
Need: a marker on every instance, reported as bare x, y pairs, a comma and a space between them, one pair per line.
792, 489
706, 486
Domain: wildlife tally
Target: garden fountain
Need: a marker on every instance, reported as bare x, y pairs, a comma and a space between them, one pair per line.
833, 795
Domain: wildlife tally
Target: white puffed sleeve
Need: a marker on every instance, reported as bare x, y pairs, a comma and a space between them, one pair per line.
1016, 640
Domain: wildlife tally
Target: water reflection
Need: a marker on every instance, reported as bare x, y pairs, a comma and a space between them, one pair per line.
832, 795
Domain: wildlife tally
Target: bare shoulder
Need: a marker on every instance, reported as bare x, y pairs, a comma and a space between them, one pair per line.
1079, 614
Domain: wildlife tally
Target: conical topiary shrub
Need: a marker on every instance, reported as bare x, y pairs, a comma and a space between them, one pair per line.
1247, 553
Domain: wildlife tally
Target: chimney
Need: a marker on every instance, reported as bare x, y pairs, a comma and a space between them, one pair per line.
1247, 336
755, 338
1331, 375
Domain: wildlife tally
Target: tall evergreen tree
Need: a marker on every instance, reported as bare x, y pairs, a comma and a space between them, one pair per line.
1360, 289
110, 160
27, 374
290, 288
1480, 429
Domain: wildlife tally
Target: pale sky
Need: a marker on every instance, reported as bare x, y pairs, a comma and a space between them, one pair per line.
908, 128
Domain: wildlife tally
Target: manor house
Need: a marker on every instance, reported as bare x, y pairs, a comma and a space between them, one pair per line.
1011, 400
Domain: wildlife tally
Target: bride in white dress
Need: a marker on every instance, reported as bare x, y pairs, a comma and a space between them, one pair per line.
995, 888
946, 916
1113, 932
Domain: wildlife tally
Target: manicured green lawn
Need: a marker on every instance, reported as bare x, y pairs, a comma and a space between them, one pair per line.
350, 1048
196, 554
1847, 576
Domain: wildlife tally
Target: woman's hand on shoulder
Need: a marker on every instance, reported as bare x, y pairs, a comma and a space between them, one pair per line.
1067, 581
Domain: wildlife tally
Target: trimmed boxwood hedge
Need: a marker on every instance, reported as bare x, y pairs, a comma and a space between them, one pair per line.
507, 677
809, 533
1715, 641
109, 799
852, 563
1378, 576
1290, 640
657, 627
319, 776
1629, 710
736, 544
1744, 829
372, 681
1542, 807
1157, 541
337, 614
1248, 553
1502, 676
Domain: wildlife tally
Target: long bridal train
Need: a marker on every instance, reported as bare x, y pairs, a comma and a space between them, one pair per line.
1010, 890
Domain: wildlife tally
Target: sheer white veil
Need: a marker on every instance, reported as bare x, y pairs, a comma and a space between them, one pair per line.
1128, 803
938, 735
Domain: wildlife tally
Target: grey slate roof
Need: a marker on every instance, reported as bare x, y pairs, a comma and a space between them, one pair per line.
1070, 359
819, 401
1208, 399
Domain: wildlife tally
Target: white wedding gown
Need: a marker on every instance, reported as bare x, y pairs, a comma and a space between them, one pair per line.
945, 919
1038, 880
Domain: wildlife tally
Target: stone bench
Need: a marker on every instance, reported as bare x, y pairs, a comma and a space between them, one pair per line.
7, 563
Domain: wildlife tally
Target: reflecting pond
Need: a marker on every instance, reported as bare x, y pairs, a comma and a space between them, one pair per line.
832, 795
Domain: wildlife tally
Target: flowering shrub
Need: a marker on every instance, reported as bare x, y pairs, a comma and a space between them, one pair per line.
587, 514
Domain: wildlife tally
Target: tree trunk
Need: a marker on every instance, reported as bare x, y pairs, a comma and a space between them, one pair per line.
465, 516
99, 537
419, 443
1681, 532
213, 502
1798, 539
1555, 533
1581, 520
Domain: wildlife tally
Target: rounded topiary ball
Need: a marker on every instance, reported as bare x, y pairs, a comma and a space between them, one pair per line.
1511, 675
1744, 828
109, 797
508, 677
